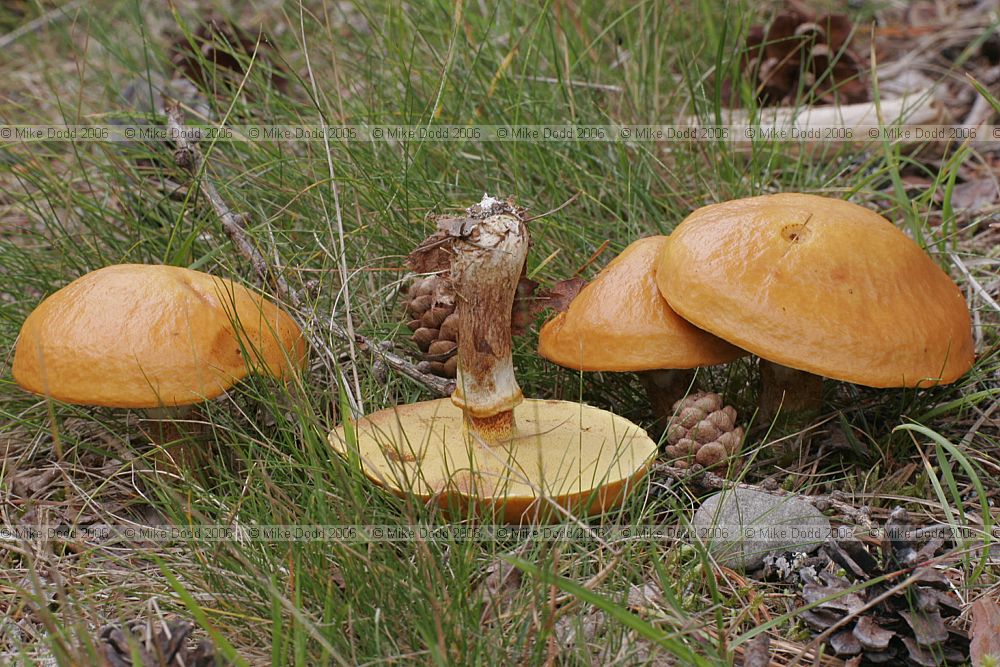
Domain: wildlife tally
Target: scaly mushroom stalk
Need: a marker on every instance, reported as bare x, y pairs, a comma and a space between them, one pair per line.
792, 396
485, 271
664, 387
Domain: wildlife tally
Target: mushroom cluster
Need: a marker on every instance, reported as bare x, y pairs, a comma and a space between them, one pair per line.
487, 450
811, 285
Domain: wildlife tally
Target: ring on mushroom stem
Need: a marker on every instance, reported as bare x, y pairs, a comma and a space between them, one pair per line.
817, 287
487, 449
485, 270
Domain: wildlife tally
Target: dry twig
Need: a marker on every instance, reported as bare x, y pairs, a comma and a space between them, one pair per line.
189, 157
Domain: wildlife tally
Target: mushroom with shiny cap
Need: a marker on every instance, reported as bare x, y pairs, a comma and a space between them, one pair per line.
620, 322
487, 450
150, 336
817, 287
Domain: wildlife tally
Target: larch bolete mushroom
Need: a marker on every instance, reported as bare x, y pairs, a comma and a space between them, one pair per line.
487, 450
620, 322
152, 337
817, 287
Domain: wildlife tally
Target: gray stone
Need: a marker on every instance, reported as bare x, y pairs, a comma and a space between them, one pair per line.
741, 526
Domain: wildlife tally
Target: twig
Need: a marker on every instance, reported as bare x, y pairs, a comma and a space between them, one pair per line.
189, 157
342, 256
976, 287
35, 24
710, 480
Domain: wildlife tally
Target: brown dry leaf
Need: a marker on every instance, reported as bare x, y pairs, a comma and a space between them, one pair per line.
32, 482
974, 196
758, 652
524, 311
433, 255
561, 294
218, 51
498, 588
529, 302
984, 640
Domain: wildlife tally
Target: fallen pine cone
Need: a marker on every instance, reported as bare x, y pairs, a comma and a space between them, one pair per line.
167, 647
430, 303
218, 52
430, 300
906, 628
702, 431
799, 52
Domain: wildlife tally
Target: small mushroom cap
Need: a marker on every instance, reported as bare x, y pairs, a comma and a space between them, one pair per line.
619, 322
584, 459
143, 336
821, 285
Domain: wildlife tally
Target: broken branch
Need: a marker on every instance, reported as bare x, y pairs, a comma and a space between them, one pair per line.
189, 157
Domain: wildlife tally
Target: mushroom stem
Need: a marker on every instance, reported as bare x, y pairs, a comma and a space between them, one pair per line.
174, 450
664, 388
793, 396
485, 270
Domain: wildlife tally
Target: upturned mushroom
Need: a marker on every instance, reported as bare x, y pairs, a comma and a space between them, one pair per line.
487, 450
152, 337
816, 287
620, 322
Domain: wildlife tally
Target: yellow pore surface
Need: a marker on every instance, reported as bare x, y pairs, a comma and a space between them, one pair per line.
821, 285
584, 459
620, 322
144, 336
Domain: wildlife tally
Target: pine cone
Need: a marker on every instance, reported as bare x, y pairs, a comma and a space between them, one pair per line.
430, 301
430, 305
167, 647
216, 54
702, 431
799, 47
906, 628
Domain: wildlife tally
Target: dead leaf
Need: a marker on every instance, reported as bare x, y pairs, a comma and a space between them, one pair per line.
32, 482
524, 310
433, 255
758, 652
973, 196
530, 301
498, 588
561, 294
983, 635
644, 597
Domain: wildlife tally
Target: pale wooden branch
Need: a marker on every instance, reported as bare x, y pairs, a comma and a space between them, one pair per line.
189, 157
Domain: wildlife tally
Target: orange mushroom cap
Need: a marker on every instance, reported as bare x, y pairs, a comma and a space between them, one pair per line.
142, 336
619, 322
821, 285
